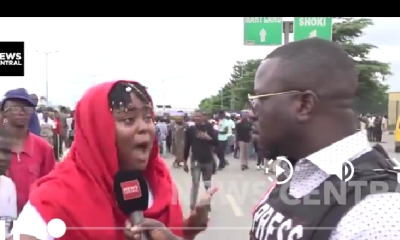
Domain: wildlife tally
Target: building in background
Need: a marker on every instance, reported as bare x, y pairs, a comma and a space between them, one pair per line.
394, 107
161, 110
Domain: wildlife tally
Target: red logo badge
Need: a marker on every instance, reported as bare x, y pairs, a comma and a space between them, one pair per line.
131, 190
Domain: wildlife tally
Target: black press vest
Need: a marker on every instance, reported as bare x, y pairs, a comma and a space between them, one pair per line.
313, 217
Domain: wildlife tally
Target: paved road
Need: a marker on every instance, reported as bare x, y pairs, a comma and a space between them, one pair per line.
388, 144
239, 191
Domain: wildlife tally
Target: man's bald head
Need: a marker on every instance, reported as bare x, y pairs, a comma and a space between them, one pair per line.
318, 65
302, 88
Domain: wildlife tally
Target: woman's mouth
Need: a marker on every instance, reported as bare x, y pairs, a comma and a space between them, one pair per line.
143, 147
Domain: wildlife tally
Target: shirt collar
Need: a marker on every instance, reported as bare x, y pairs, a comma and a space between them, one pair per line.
28, 145
338, 153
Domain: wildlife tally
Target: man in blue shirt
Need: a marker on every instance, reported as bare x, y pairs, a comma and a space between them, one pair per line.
34, 125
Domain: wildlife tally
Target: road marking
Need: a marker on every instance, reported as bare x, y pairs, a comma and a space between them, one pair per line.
235, 207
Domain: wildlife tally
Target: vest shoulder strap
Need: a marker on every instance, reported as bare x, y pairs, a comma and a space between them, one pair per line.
337, 211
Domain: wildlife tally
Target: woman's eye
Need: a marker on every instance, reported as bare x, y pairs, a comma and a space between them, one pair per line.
129, 120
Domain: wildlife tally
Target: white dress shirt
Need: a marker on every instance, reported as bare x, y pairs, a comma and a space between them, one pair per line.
8, 201
375, 217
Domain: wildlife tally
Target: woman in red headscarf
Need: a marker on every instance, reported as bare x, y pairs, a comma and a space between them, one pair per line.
114, 130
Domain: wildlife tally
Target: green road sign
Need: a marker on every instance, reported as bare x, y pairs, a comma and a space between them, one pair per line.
263, 31
309, 27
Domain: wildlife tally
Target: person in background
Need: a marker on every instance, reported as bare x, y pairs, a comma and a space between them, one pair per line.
363, 122
8, 194
200, 139
69, 122
255, 137
32, 156
378, 129
223, 133
64, 114
72, 133
243, 136
168, 141
385, 123
236, 149
163, 128
214, 124
370, 129
190, 121
34, 125
231, 134
178, 144
47, 127
57, 137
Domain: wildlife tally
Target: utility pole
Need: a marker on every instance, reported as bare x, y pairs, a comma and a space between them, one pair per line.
222, 99
233, 91
47, 73
232, 99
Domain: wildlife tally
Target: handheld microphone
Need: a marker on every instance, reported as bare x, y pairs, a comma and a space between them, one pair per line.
132, 195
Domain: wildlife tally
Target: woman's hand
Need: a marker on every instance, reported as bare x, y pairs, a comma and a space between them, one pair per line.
199, 218
154, 230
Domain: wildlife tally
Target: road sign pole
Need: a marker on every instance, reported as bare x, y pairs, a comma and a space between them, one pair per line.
286, 32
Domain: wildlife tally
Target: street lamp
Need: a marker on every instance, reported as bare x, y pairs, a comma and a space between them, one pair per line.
47, 73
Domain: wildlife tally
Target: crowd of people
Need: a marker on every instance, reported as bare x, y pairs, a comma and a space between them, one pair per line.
237, 135
375, 125
39, 136
304, 97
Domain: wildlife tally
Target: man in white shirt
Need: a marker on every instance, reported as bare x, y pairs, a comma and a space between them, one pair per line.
370, 129
231, 134
301, 88
8, 194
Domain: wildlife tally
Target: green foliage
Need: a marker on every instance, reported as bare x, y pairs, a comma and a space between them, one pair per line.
233, 96
372, 91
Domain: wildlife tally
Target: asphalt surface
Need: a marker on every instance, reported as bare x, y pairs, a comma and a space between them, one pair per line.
239, 191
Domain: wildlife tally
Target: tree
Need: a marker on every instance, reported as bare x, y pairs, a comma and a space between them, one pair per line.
372, 91
233, 95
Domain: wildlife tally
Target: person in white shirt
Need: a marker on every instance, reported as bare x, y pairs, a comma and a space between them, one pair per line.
8, 194
385, 123
370, 127
231, 135
46, 128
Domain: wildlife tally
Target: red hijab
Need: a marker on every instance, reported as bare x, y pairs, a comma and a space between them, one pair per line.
80, 189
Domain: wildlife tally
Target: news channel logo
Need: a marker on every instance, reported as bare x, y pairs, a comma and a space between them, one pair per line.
12, 59
397, 167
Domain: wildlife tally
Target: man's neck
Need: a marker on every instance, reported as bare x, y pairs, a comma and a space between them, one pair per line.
18, 133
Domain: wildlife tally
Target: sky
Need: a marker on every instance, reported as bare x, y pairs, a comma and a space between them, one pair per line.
180, 60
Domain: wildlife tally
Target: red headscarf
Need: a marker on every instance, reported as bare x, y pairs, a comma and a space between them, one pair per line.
80, 189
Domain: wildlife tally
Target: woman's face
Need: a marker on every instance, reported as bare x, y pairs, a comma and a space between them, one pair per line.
135, 134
